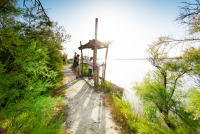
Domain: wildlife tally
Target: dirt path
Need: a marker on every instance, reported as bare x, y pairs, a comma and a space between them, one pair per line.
86, 111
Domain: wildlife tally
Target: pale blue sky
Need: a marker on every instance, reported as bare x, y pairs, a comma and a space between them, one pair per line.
131, 24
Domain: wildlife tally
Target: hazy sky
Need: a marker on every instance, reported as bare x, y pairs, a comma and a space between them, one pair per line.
130, 24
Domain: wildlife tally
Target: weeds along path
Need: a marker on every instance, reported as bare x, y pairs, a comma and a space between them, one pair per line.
86, 110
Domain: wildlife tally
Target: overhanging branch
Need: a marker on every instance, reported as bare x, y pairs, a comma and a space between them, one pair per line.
38, 5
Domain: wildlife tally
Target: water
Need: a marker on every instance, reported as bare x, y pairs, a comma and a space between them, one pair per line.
125, 72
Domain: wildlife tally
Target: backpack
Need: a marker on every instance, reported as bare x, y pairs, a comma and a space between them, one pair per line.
75, 64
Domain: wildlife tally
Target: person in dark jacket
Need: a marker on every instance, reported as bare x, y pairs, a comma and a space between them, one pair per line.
74, 58
78, 67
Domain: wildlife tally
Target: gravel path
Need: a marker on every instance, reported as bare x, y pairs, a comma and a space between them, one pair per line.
86, 111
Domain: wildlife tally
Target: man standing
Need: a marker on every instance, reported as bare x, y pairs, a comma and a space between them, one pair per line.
77, 68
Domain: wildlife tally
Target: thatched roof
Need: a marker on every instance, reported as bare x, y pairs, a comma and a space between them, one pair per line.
91, 44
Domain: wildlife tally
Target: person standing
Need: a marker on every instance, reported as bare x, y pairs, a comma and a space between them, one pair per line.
77, 67
90, 65
74, 58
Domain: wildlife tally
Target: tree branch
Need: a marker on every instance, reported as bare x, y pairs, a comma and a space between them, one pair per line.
175, 85
10, 72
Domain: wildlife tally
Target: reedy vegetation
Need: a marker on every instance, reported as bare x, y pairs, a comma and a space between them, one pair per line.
30, 68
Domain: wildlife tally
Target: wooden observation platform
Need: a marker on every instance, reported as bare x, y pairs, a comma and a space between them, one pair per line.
95, 44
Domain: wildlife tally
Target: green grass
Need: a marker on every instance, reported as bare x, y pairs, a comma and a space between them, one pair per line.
70, 62
132, 123
107, 88
108, 85
41, 115
38, 118
85, 69
65, 63
122, 113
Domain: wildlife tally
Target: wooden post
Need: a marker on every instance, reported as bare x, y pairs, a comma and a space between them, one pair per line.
97, 76
81, 58
105, 64
102, 78
93, 62
95, 53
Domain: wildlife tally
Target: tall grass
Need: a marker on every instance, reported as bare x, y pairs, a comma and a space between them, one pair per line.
107, 86
122, 113
85, 68
41, 115
150, 123
70, 62
38, 118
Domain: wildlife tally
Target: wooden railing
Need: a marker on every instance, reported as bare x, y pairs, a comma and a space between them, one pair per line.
102, 67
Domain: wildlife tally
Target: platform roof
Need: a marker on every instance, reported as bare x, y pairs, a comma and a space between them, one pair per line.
91, 45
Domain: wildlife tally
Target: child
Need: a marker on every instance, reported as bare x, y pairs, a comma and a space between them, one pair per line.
90, 65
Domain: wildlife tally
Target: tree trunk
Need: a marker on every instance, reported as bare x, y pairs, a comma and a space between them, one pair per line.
167, 121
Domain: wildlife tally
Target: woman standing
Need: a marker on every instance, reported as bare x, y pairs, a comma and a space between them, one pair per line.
74, 59
77, 67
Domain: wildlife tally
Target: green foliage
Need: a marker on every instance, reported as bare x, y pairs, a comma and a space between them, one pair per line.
30, 68
194, 103
107, 86
85, 68
191, 57
151, 113
127, 115
160, 88
70, 62
151, 122
64, 58
32, 116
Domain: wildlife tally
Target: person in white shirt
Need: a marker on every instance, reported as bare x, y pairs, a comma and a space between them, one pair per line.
90, 66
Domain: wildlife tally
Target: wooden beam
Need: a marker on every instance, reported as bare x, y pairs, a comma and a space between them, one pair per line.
105, 65
98, 48
81, 57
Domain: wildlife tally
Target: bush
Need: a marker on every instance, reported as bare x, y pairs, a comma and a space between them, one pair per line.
32, 116
123, 113
30, 68
85, 68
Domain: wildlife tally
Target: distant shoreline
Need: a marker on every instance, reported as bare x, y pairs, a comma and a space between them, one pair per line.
136, 58
123, 59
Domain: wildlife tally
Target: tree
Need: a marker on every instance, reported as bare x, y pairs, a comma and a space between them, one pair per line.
30, 63
191, 57
160, 87
190, 15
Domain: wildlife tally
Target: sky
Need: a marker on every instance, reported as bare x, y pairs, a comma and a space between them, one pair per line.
130, 24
